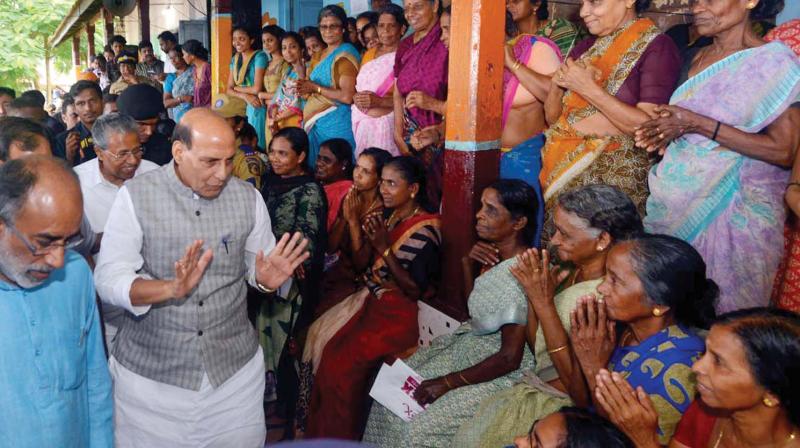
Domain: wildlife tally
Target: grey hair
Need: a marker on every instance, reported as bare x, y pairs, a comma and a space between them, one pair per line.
110, 124
604, 209
17, 179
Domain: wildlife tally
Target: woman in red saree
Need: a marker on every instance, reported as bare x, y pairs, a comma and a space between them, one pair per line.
347, 345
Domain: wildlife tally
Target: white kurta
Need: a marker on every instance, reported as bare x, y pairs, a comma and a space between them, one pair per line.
148, 413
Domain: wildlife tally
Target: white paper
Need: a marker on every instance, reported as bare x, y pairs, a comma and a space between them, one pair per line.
394, 389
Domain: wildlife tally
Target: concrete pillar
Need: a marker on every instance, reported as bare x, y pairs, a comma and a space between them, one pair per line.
90, 40
144, 20
108, 25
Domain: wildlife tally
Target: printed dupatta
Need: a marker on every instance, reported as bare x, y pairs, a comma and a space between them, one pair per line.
286, 97
568, 152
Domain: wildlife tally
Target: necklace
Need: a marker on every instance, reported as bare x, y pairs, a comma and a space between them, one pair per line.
791, 437
391, 218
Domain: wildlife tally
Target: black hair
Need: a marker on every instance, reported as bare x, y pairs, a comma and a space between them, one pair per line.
21, 131
196, 49
337, 12
82, 85
641, 5
178, 49
36, 96
100, 60
118, 40
371, 16
673, 274
311, 31
297, 38
168, 36
766, 9
145, 44
24, 102
366, 27
245, 30
110, 98
447, 10
380, 156
511, 25
275, 31
343, 152
166, 127
107, 49
297, 138
541, 12
413, 171
395, 11
248, 132
66, 101
605, 208
521, 201
588, 430
7, 91
771, 340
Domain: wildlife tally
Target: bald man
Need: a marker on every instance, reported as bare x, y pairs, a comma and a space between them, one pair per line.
180, 244
54, 380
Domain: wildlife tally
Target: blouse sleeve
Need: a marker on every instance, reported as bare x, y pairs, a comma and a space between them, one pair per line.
695, 428
660, 67
344, 67
426, 264
260, 60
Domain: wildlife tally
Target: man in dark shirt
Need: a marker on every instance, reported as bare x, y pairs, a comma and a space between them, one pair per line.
75, 145
145, 104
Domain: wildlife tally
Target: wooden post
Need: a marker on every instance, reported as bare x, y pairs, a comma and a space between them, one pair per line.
90, 40
144, 19
76, 53
221, 50
48, 93
471, 158
108, 24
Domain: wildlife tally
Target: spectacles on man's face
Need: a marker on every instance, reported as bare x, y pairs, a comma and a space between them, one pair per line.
38, 248
125, 153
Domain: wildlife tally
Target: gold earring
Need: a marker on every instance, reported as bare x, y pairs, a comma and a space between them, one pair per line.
657, 312
770, 403
413, 195
600, 248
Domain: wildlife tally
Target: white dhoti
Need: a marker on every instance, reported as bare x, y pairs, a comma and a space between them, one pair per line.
149, 414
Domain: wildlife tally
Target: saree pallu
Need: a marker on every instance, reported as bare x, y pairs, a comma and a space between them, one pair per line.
662, 366
183, 85
375, 76
562, 32
272, 82
346, 346
244, 74
571, 159
326, 119
422, 66
496, 300
728, 206
508, 413
335, 194
287, 99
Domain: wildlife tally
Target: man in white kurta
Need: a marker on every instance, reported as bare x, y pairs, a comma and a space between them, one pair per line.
179, 245
119, 159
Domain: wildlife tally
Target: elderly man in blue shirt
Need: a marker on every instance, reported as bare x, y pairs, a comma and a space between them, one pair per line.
55, 387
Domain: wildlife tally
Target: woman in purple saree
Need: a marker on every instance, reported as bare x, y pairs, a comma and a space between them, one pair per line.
731, 134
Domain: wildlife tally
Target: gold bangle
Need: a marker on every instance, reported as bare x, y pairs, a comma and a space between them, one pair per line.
464, 379
446, 381
515, 65
387, 252
264, 289
556, 350
319, 90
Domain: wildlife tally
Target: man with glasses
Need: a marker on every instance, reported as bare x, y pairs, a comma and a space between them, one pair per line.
56, 388
146, 104
119, 158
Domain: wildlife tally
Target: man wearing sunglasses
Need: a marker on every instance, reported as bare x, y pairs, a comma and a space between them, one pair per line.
119, 158
55, 388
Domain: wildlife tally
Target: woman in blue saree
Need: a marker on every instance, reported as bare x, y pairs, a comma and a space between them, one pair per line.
331, 85
246, 79
728, 138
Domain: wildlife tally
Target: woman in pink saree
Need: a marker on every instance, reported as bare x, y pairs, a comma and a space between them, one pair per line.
373, 114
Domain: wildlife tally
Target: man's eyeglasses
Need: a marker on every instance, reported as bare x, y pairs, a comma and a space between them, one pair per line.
125, 153
38, 249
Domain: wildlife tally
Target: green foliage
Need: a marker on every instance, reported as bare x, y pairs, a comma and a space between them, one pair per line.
24, 27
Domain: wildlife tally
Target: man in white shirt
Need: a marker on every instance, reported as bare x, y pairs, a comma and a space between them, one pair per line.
119, 158
187, 367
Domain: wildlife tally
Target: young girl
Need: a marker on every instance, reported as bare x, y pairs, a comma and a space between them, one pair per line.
286, 106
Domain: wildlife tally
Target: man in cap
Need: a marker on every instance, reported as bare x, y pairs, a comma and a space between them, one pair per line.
187, 367
145, 104
247, 162
56, 387
119, 159
127, 74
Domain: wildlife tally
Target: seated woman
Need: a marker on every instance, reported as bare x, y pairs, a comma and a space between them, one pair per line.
730, 134
296, 203
246, 78
286, 106
485, 354
657, 295
334, 171
589, 221
349, 253
331, 84
347, 345
609, 85
573, 427
179, 87
746, 385
373, 114
420, 88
